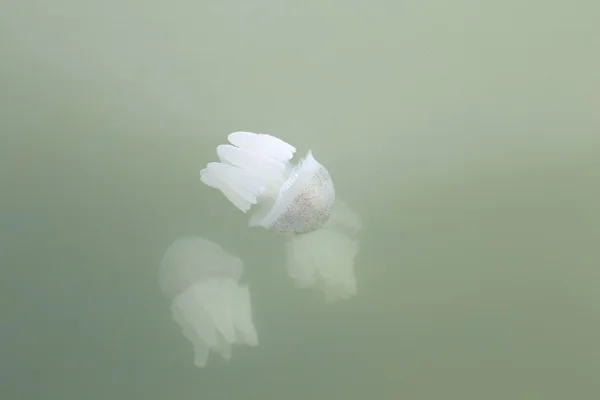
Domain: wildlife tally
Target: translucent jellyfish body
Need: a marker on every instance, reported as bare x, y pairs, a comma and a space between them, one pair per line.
256, 173
212, 308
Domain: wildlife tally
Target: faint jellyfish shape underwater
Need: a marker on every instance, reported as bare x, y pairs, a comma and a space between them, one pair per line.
208, 302
296, 200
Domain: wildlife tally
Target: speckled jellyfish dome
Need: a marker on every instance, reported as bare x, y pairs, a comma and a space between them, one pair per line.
305, 200
255, 170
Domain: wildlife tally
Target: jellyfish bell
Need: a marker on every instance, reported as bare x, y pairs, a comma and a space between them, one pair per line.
256, 174
208, 302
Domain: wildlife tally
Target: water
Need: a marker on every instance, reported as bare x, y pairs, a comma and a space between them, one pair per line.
465, 134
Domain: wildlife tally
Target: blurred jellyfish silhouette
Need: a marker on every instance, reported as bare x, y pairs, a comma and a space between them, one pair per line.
213, 309
296, 200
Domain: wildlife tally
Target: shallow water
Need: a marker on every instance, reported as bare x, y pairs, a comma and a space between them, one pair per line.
466, 136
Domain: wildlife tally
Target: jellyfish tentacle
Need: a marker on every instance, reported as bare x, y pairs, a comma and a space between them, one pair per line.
267, 145
237, 185
270, 172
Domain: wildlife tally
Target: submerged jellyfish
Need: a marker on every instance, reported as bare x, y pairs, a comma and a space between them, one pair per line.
256, 173
209, 304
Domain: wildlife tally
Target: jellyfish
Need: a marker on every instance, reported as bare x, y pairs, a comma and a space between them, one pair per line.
256, 174
208, 302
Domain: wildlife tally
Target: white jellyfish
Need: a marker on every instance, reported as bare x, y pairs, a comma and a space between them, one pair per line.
213, 309
296, 200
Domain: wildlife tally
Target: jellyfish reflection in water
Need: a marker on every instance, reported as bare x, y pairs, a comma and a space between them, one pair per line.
213, 309
296, 200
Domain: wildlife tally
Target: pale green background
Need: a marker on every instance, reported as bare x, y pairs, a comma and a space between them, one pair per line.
465, 133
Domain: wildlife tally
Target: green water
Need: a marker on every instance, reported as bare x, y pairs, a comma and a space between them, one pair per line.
466, 134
